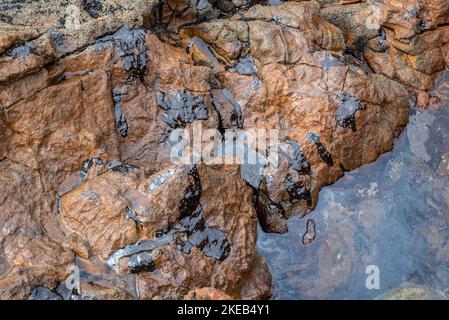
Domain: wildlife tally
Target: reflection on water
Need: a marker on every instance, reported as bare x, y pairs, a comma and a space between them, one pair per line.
393, 213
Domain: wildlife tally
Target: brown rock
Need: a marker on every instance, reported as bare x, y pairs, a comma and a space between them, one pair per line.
206, 294
87, 109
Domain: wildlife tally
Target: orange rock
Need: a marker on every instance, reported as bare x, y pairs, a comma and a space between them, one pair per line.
86, 110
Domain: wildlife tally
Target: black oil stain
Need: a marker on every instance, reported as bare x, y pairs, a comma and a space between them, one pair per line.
322, 151
93, 7
192, 194
269, 213
310, 234
120, 119
297, 191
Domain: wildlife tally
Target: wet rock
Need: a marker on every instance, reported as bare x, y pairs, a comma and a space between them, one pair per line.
43, 293
120, 119
198, 270
322, 151
294, 79
181, 107
310, 233
270, 214
96, 292
411, 291
110, 87
22, 51
31, 255
230, 111
297, 191
202, 54
141, 262
192, 231
211, 241
206, 294
93, 200
182, 230
245, 66
346, 112
355, 227
131, 47
93, 7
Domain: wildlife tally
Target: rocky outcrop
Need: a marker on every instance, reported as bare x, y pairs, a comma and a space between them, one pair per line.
411, 291
406, 41
188, 227
332, 112
92, 92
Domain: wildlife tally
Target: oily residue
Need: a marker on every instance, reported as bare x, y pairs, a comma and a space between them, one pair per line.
141, 262
244, 66
322, 151
23, 51
93, 7
120, 167
130, 45
181, 107
192, 194
310, 233
43, 293
88, 164
391, 213
229, 110
297, 191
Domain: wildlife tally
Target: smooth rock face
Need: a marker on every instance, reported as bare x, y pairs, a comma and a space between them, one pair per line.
91, 91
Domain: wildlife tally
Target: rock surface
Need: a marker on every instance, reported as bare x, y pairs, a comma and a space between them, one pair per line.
91, 92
